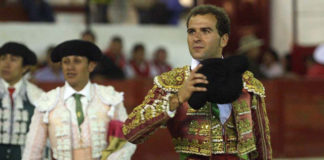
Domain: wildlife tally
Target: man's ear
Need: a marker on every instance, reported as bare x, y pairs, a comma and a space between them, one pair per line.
92, 66
224, 40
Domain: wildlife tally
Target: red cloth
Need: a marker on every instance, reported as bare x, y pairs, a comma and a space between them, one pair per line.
11, 91
316, 71
115, 129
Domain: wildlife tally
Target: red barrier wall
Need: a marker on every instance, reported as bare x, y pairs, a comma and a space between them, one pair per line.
295, 110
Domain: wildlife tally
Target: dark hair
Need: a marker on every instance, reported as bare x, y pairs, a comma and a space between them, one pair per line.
50, 49
288, 66
138, 47
89, 32
273, 53
223, 24
160, 49
116, 39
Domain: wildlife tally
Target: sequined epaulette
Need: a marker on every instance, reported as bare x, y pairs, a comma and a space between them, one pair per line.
252, 84
171, 81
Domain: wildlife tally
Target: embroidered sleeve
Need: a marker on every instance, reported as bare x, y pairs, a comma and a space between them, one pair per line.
153, 112
36, 138
150, 114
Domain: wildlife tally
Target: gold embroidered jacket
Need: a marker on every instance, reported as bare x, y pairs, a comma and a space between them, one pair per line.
246, 132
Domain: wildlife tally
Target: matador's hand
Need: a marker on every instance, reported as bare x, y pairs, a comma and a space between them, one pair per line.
189, 85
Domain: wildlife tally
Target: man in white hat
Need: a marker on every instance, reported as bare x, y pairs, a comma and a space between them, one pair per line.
317, 70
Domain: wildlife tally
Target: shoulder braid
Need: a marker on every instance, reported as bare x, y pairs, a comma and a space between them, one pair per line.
251, 84
173, 80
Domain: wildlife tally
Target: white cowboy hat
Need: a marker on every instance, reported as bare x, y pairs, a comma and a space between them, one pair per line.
319, 54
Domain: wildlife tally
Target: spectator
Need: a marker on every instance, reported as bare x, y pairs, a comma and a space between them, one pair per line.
51, 72
88, 35
270, 64
153, 11
175, 11
286, 63
250, 46
115, 52
317, 69
143, 8
107, 69
159, 13
100, 10
38, 10
159, 64
138, 67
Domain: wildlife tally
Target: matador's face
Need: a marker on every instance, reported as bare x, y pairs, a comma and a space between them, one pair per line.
203, 38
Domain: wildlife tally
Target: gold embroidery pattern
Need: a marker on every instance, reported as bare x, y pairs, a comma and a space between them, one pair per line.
183, 145
217, 133
231, 147
202, 128
252, 84
164, 86
244, 126
205, 110
193, 127
254, 102
267, 128
241, 107
172, 81
205, 148
145, 112
247, 146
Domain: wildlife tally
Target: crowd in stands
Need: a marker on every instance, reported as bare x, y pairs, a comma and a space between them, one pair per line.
264, 63
113, 64
107, 11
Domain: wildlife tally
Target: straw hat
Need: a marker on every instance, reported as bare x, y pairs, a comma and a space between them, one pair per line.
249, 42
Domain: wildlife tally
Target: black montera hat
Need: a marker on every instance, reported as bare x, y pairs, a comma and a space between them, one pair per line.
14, 48
225, 81
76, 47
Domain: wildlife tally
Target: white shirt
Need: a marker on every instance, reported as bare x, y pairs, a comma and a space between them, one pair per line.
17, 86
274, 71
224, 109
69, 100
